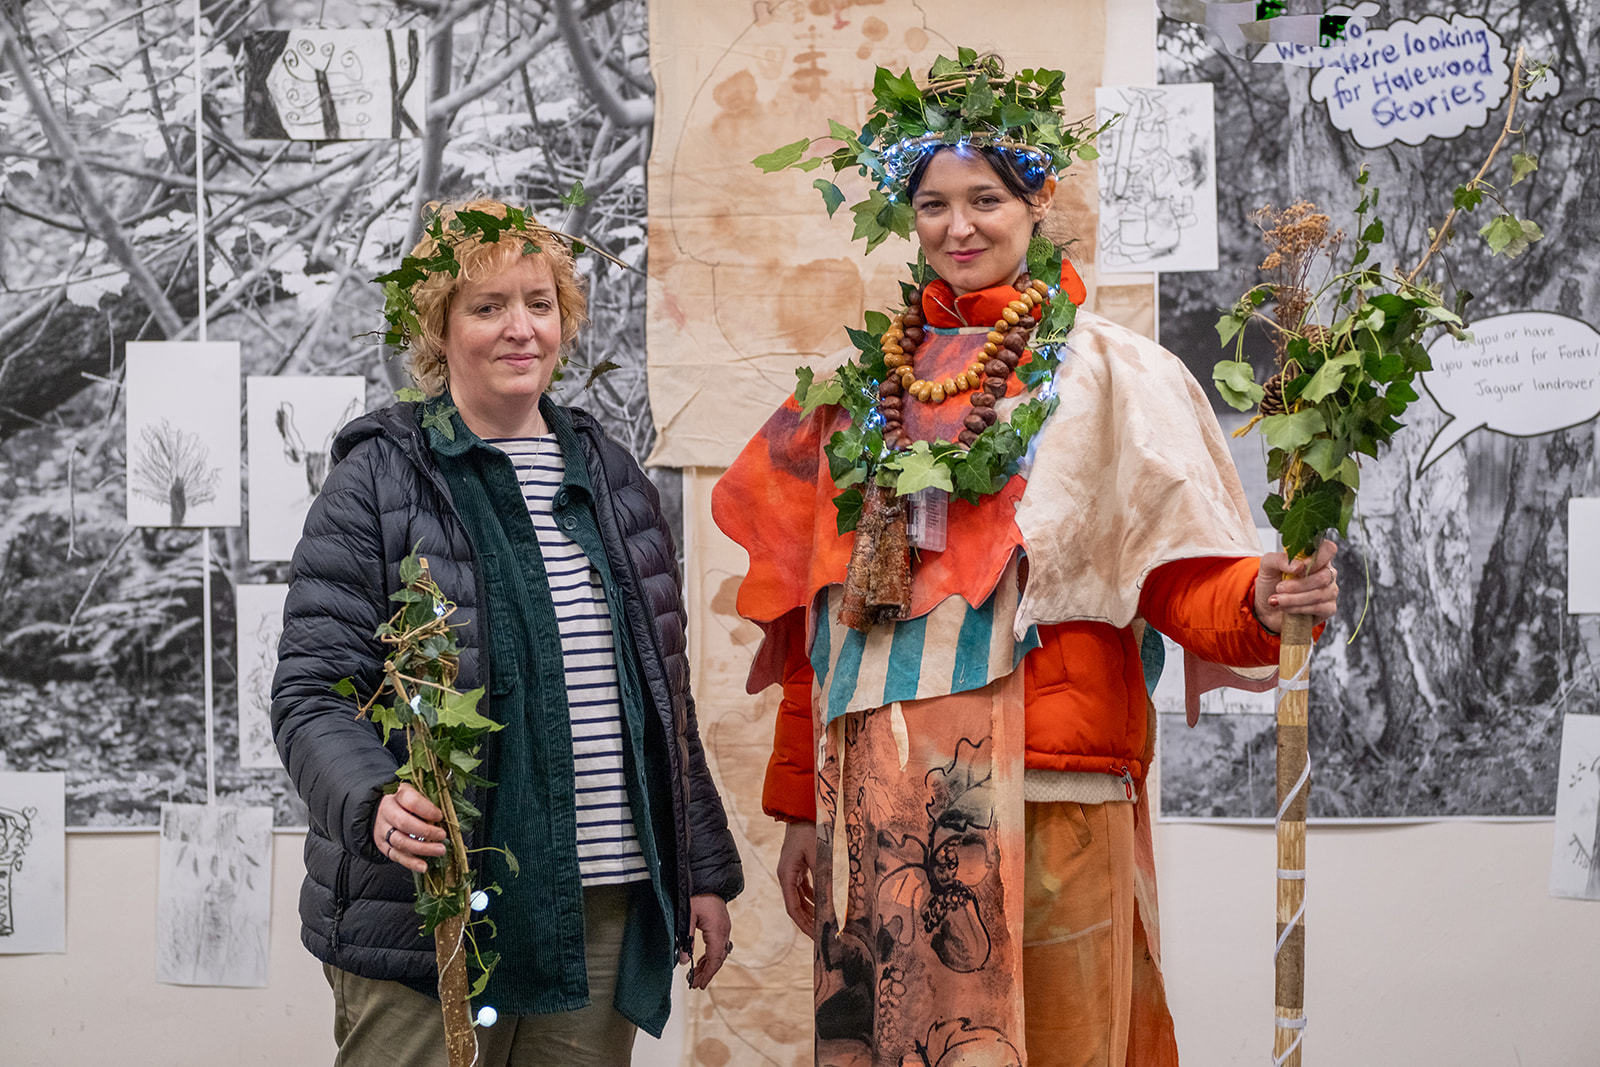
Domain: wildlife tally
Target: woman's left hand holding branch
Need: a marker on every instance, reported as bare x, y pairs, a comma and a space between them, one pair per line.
407, 828
1303, 587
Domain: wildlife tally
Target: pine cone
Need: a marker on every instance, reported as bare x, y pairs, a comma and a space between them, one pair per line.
1272, 402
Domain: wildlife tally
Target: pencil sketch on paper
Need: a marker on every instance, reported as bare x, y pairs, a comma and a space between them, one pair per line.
258, 612
32, 862
173, 467
1158, 198
183, 444
333, 85
16, 833
1575, 864
292, 422
312, 462
214, 896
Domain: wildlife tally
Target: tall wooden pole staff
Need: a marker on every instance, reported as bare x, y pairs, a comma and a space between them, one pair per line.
1294, 684
1294, 786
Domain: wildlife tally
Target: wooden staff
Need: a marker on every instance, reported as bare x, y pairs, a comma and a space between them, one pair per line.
1294, 786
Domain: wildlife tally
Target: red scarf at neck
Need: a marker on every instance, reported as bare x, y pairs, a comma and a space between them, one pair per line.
942, 308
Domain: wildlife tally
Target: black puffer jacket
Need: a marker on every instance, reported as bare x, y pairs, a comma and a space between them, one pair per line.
384, 496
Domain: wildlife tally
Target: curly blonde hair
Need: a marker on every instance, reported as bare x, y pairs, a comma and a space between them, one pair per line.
432, 296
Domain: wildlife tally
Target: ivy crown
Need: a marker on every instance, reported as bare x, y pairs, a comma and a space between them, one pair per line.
967, 100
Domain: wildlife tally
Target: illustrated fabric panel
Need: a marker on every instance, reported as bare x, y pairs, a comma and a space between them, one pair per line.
183, 433
759, 1008
291, 423
33, 886
215, 895
920, 880
735, 81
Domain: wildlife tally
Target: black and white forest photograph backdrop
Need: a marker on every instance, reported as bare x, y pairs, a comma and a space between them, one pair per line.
325, 126
1449, 700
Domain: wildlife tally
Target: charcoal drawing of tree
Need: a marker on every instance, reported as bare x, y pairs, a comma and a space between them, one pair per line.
173, 467
98, 247
1449, 701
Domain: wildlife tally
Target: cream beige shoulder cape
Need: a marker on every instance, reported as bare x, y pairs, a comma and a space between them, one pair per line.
1131, 472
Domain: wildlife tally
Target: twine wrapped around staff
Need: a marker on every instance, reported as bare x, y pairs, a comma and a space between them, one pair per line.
1336, 396
1294, 786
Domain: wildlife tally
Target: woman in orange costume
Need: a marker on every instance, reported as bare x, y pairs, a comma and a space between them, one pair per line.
961, 758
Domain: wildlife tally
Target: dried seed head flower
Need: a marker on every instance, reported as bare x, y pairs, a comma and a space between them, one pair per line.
1296, 238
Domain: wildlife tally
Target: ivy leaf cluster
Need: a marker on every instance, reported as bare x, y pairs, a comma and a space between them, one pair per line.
444, 731
968, 98
402, 327
857, 453
1343, 388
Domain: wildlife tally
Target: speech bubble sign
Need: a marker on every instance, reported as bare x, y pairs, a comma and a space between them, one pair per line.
1523, 374
1411, 81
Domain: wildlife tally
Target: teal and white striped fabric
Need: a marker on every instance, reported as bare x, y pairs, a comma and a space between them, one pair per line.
952, 649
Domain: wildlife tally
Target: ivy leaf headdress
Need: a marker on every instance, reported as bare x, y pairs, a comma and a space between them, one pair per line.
967, 100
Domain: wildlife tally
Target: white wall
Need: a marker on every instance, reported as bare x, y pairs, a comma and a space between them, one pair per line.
1427, 945
100, 1004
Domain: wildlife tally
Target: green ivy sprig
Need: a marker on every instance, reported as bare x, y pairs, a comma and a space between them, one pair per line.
857, 453
444, 737
1343, 387
967, 99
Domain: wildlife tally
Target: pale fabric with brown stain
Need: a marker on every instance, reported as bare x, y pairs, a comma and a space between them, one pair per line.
749, 277
1133, 428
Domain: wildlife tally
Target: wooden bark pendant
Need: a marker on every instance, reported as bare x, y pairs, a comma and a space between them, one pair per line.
877, 586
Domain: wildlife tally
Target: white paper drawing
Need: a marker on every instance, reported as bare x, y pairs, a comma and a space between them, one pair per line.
1158, 191
334, 84
33, 885
258, 612
183, 433
1575, 861
1583, 562
215, 896
291, 423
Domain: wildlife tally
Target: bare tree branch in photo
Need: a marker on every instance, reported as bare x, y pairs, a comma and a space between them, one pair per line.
445, 107
93, 206
638, 111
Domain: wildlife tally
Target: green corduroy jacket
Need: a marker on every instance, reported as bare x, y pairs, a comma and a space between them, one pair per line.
531, 810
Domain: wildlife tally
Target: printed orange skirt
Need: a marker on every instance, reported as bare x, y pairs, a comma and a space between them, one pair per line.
958, 926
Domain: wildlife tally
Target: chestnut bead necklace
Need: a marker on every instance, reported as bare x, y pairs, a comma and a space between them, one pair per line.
987, 376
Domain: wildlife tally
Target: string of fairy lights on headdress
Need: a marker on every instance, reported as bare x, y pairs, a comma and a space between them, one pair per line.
969, 100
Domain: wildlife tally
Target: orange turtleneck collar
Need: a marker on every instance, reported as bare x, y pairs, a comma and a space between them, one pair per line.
943, 309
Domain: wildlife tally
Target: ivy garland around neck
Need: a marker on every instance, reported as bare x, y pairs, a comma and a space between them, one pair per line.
875, 387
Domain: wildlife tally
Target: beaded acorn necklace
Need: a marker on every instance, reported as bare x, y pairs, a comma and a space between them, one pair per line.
987, 376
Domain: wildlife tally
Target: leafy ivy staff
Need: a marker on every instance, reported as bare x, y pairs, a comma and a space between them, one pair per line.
964, 737
550, 540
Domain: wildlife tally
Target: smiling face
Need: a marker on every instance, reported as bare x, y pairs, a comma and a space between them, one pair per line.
502, 341
973, 229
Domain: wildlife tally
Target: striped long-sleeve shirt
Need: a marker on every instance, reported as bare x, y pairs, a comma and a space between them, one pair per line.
608, 847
